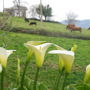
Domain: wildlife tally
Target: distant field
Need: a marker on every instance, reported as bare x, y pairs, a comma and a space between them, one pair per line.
50, 68
51, 27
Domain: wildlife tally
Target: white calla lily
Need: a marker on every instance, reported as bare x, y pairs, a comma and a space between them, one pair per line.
87, 74
4, 54
0, 68
58, 47
39, 51
66, 56
32, 43
61, 63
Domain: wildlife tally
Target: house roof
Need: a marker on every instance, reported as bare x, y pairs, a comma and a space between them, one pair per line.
16, 7
21, 7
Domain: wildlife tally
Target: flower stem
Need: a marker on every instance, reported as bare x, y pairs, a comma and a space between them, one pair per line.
23, 75
29, 54
36, 79
85, 87
58, 80
2, 79
64, 83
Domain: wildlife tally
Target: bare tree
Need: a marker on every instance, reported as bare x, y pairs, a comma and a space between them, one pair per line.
18, 3
32, 11
71, 18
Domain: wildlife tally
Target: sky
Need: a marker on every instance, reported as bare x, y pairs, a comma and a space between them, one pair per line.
60, 8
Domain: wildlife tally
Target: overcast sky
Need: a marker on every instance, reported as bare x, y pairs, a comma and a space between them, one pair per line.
59, 7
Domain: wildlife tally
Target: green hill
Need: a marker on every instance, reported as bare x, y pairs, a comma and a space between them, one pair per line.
44, 28
47, 27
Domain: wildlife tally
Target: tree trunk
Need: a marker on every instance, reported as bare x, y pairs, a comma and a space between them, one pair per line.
45, 18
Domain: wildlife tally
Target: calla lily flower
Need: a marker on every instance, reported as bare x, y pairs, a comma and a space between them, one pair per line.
66, 56
61, 63
87, 74
58, 47
0, 68
32, 43
39, 51
4, 54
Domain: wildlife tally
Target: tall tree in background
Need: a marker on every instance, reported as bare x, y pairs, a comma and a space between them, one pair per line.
71, 18
46, 11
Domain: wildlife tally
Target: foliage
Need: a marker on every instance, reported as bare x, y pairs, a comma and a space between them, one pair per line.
5, 21
46, 11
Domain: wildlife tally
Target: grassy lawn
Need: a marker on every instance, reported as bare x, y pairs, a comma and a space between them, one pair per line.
50, 68
51, 27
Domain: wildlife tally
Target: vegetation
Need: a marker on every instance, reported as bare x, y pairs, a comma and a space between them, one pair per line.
50, 69
46, 11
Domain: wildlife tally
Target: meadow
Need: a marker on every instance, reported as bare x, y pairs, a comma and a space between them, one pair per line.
49, 70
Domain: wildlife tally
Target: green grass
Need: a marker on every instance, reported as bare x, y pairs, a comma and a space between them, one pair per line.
51, 27
50, 68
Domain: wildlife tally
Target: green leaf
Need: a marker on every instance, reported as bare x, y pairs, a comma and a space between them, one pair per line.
28, 83
71, 87
83, 87
42, 87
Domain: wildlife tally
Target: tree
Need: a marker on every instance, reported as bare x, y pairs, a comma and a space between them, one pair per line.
32, 11
71, 18
17, 3
46, 11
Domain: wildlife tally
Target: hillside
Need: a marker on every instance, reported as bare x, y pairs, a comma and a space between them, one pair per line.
47, 28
